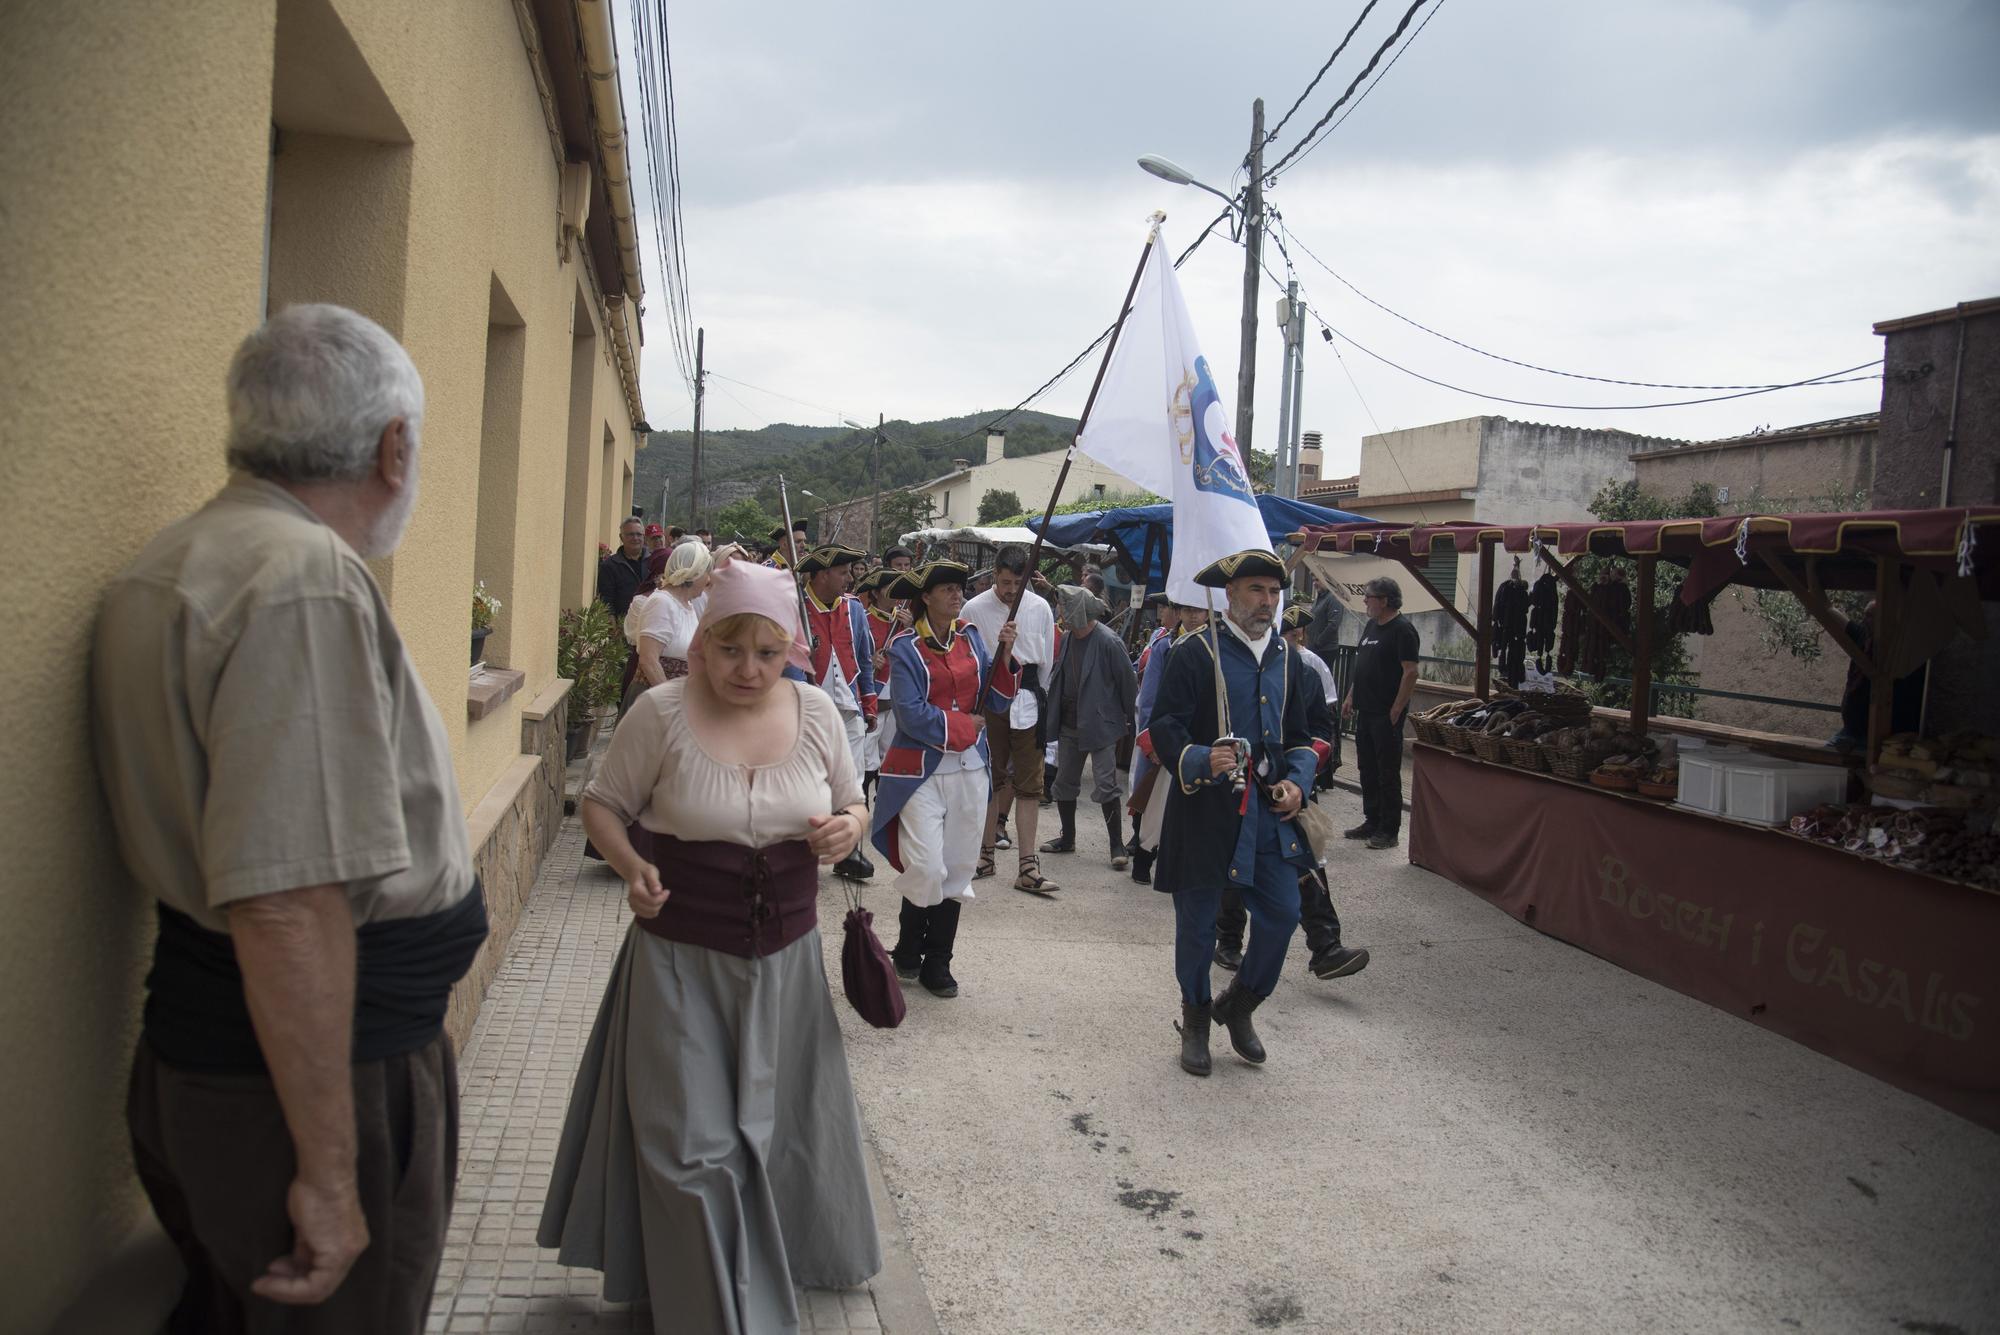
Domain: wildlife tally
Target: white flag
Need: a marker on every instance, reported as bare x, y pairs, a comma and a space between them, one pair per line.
1159, 420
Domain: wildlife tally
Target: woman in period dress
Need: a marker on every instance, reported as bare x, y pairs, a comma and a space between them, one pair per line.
930, 804
711, 1159
661, 624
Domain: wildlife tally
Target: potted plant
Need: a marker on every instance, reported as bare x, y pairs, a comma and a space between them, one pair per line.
484, 608
591, 652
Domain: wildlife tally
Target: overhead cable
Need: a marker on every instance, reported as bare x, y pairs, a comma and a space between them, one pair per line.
1272, 134
1373, 60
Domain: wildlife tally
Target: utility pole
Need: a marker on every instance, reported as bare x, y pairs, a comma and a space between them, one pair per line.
875, 488
694, 480
1253, 258
1282, 473
1296, 338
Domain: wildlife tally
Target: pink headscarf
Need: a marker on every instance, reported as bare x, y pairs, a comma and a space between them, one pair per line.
772, 594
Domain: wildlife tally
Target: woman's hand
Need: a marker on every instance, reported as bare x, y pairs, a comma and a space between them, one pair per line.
833, 837
644, 892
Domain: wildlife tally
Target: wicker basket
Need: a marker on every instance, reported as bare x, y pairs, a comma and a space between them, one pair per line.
1525, 753
1574, 765
1490, 746
1456, 738
1426, 730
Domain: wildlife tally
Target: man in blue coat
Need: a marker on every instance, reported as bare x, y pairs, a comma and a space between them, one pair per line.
1216, 833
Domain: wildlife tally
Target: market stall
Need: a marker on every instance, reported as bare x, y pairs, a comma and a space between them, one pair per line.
1852, 904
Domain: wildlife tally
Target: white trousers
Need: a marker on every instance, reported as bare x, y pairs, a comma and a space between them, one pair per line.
884, 737
857, 742
941, 825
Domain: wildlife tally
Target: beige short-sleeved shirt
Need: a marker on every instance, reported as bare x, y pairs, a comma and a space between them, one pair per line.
656, 773
259, 725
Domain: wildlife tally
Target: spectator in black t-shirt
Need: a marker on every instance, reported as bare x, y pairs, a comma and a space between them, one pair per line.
621, 574
1385, 673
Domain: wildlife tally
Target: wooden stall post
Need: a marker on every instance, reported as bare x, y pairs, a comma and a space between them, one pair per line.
1882, 685
1642, 654
1482, 649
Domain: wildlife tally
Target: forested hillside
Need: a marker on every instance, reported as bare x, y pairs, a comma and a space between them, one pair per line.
830, 462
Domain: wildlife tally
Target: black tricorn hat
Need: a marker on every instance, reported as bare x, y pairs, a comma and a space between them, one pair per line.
1296, 616
1240, 565
874, 579
922, 579
1158, 598
829, 556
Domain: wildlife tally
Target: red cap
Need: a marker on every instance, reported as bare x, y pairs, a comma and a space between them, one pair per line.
655, 531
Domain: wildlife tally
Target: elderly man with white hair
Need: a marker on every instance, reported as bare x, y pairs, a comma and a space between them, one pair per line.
281, 785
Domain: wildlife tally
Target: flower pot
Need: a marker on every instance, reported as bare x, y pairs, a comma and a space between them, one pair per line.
479, 642
578, 738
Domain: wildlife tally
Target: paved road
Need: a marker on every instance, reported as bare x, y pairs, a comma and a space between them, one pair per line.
1487, 1130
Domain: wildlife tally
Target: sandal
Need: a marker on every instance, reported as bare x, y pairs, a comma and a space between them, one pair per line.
1031, 878
986, 865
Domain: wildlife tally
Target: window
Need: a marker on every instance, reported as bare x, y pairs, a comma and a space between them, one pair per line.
1098, 487
498, 514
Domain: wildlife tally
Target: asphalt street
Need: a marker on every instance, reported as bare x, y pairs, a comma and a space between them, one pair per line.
1487, 1130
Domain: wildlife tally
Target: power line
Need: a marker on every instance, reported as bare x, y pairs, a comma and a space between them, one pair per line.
1366, 70
659, 126
1290, 236
1272, 135
803, 403
1378, 79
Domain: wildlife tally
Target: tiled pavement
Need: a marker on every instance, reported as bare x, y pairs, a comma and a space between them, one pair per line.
514, 1082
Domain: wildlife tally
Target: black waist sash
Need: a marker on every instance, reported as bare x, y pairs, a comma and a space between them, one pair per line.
197, 1018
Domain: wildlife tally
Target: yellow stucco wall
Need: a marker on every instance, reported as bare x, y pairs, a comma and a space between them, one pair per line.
137, 153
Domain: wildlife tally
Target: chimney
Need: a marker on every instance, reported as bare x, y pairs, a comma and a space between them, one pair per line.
996, 445
960, 465
1311, 458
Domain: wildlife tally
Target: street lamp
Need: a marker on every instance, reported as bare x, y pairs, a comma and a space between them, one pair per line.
1252, 209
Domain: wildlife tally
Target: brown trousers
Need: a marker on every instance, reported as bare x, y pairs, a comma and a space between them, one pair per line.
216, 1160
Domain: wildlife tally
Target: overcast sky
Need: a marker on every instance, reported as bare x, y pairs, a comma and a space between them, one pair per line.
925, 209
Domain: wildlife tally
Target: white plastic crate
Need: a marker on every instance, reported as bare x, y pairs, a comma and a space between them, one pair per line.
1702, 782
1773, 794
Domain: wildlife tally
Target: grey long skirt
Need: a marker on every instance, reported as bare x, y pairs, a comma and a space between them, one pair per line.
711, 1158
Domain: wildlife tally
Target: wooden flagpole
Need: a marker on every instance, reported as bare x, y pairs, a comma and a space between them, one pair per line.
1055, 495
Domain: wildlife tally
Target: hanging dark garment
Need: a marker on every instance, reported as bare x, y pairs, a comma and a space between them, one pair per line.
1613, 600
1574, 617
1543, 613
1680, 619
1510, 630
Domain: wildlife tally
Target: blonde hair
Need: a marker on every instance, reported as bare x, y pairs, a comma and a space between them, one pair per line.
741, 626
685, 564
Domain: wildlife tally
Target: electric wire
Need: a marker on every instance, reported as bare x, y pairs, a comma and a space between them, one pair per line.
659, 128
1372, 85
1272, 134
1402, 24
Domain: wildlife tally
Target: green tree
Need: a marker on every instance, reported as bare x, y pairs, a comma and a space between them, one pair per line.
1623, 502
743, 519
995, 506
903, 512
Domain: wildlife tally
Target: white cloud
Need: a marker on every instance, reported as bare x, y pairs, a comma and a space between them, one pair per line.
950, 295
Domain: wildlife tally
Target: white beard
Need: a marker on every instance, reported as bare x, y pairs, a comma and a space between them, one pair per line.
386, 530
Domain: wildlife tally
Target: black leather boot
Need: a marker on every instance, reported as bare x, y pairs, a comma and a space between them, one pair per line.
939, 935
1142, 866
1233, 1009
908, 956
1194, 1040
1066, 841
1114, 827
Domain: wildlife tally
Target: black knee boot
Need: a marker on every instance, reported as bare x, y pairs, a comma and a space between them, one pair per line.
1142, 866
1233, 1008
1066, 841
908, 955
940, 932
1114, 827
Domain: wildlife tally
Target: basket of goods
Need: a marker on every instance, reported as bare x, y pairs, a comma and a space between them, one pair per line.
1490, 746
1519, 738
1485, 728
1448, 721
1526, 753
1932, 840
1429, 724
1565, 703
1661, 781
1620, 773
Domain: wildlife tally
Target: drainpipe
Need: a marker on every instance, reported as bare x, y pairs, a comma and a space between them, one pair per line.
600, 59
1951, 426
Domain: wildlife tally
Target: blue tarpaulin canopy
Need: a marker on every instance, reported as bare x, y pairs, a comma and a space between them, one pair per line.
1143, 534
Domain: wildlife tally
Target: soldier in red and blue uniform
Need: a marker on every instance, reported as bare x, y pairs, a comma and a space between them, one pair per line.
930, 804
843, 659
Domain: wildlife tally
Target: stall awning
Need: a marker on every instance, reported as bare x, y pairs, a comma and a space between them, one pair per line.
1139, 530
1831, 551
